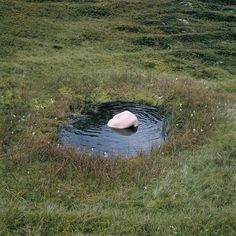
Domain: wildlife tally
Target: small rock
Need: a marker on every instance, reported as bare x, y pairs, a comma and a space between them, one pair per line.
123, 120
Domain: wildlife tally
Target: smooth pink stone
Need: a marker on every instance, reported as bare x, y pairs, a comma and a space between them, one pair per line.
123, 120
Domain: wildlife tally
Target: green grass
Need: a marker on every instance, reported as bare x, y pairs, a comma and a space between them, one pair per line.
62, 57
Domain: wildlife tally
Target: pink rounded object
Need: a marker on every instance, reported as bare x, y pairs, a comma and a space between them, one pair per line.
123, 120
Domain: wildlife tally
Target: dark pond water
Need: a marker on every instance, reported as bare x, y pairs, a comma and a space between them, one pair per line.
89, 132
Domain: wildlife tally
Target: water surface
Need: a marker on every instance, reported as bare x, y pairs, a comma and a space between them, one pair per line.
89, 132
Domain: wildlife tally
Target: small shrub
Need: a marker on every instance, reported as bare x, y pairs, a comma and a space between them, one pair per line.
96, 12
213, 16
158, 42
175, 30
129, 28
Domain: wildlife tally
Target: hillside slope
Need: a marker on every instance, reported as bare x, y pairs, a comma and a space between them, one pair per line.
61, 57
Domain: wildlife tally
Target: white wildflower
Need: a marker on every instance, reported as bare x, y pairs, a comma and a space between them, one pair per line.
158, 97
105, 154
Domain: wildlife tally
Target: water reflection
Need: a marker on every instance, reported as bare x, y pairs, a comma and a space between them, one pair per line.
126, 132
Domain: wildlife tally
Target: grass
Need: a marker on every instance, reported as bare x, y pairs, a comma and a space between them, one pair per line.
62, 57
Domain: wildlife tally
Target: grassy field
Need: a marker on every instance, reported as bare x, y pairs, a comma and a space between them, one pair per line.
62, 57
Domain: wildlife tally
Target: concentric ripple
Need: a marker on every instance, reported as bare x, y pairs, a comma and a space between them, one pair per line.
89, 132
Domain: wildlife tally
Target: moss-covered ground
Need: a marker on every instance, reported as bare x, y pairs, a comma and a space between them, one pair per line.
61, 57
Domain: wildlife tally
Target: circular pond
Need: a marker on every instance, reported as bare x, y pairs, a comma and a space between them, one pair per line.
89, 132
